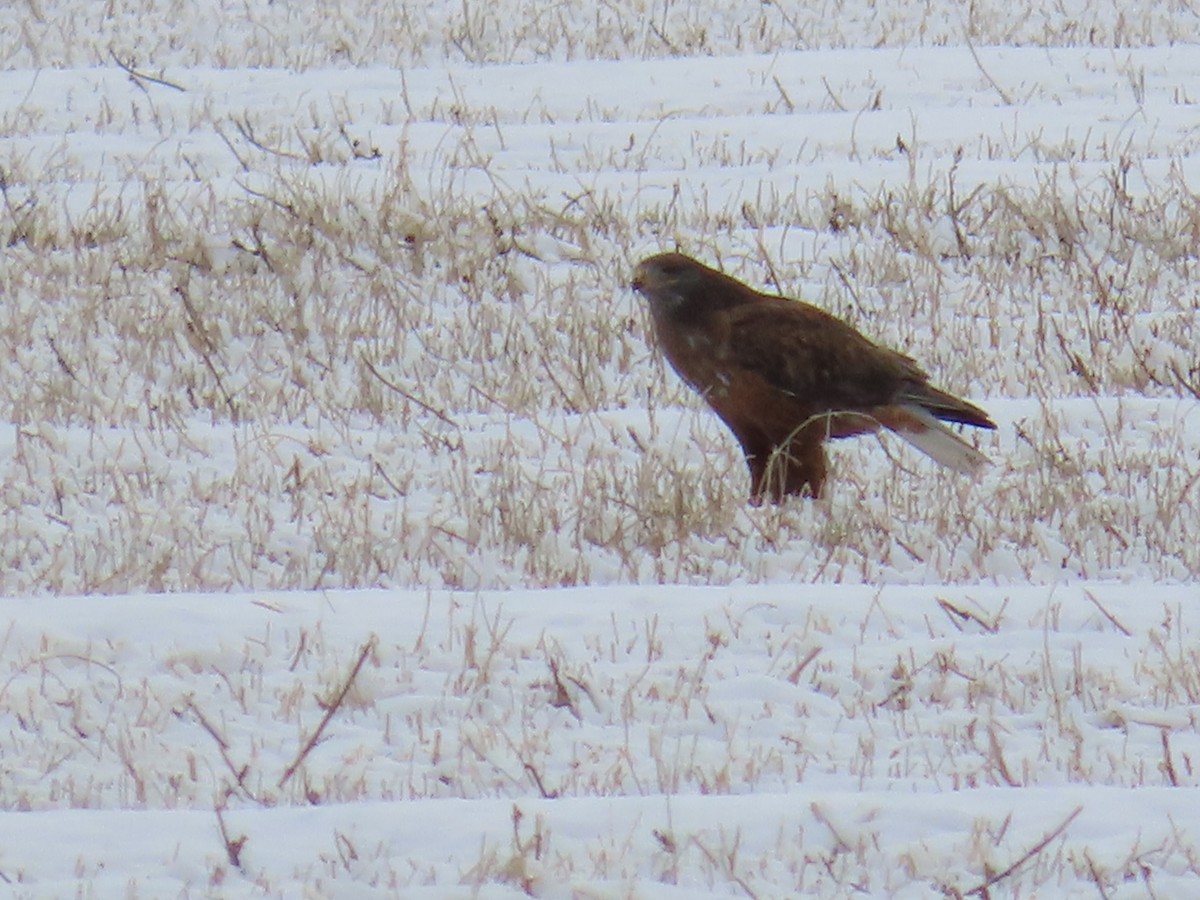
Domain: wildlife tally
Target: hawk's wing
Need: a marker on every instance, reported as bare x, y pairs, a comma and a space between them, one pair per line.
806, 353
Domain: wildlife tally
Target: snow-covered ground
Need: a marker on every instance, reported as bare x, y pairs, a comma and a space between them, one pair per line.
604, 742
357, 543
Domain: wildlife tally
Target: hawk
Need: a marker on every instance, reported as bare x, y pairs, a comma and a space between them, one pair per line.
786, 377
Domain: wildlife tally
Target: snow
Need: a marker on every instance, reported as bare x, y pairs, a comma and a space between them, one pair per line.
355, 542
791, 738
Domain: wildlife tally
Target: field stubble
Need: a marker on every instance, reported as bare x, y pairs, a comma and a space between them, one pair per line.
268, 329
308, 351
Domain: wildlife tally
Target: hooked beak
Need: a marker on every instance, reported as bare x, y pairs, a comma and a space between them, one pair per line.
639, 278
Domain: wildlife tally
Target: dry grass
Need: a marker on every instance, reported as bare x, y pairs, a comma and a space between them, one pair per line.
357, 366
340, 329
857, 703
50, 33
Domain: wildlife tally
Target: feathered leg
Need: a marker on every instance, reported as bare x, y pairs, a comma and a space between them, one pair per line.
796, 469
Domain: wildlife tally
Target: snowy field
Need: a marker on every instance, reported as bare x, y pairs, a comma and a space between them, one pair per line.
356, 543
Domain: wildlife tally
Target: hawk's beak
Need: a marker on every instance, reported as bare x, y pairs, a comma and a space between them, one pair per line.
639, 278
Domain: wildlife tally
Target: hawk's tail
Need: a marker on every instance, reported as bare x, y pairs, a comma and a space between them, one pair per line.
921, 428
945, 406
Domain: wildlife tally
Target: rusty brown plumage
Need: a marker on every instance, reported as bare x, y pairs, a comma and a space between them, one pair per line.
786, 376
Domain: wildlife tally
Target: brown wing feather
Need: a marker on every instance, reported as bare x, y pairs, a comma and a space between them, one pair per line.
808, 354
825, 363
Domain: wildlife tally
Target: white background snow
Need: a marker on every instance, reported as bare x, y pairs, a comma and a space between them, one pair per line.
356, 543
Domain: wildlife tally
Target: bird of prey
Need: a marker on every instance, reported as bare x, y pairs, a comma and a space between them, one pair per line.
786, 376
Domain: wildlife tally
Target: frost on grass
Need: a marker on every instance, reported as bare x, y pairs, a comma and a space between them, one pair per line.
767, 738
286, 305
391, 33
325, 330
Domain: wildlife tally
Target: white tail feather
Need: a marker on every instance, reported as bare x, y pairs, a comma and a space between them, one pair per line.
941, 444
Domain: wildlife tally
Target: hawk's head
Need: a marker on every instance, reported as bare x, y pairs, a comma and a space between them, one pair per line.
669, 281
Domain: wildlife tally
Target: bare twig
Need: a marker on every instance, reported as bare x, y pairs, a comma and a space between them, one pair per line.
983, 889
791, 107
1095, 873
1078, 366
533, 773
387, 479
670, 45
239, 773
247, 131
997, 754
562, 696
1104, 612
849, 286
391, 385
1004, 95
204, 345
724, 862
794, 675
1191, 387
233, 846
1168, 763
142, 76
837, 101
232, 149
367, 649
819, 814
62, 362
958, 616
